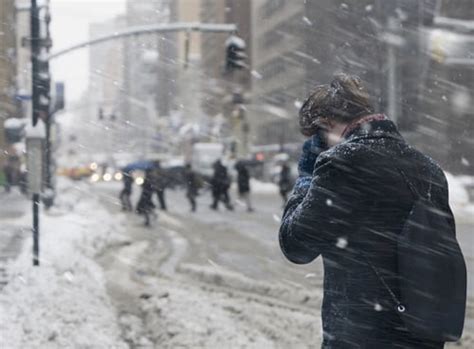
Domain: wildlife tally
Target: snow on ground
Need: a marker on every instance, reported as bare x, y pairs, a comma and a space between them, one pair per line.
70, 301
263, 187
63, 303
458, 195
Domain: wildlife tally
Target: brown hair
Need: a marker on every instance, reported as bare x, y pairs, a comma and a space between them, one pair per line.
344, 100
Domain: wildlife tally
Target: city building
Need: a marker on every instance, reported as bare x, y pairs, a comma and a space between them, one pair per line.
106, 76
106, 86
445, 126
278, 70
23, 55
8, 103
149, 59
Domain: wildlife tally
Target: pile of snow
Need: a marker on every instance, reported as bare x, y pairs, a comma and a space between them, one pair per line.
62, 303
458, 195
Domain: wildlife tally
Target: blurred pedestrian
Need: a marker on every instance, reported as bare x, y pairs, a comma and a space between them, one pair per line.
220, 184
284, 182
145, 204
126, 192
243, 184
192, 186
161, 182
350, 204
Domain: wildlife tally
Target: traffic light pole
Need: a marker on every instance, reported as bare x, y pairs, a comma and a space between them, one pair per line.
48, 199
35, 52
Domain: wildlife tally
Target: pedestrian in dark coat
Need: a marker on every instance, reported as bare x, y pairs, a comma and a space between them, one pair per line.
160, 184
145, 204
220, 184
192, 186
126, 191
284, 182
243, 184
348, 205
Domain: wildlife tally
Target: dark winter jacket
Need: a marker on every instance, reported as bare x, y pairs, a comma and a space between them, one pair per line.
127, 183
357, 200
145, 203
192, 183
220, 180
243, 179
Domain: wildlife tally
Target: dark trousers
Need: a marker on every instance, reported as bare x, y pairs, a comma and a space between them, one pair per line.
192, 201
125, 200
161, 198
221, 196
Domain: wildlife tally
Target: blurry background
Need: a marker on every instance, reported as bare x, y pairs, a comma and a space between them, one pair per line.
152, 95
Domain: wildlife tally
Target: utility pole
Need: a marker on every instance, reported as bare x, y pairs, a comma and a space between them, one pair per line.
48, 199
35, 53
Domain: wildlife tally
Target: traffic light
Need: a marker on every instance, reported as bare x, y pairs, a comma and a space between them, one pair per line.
44, 86
235, 53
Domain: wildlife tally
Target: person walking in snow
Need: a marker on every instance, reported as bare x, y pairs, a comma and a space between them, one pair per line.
192, 186
348, 205
220, 184
126, 191
160, 184
145, 204
243, 184
284, 182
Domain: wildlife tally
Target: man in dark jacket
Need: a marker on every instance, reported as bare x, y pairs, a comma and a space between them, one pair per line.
220, 184
192, 186
145, 205
243, 184
348, 205
161, 182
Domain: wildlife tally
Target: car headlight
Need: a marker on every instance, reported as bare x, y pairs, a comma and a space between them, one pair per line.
95, 178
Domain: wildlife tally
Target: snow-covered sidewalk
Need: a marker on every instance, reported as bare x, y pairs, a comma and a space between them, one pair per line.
63, 303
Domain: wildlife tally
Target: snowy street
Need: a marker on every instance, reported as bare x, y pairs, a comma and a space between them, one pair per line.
231, 279
240, 249
176, 284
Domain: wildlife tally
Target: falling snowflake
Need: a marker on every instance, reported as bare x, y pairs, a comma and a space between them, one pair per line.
342, 243
377, 307
256, 74
307, 20
329, 202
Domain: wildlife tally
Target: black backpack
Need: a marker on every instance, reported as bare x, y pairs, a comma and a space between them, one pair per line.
431, 271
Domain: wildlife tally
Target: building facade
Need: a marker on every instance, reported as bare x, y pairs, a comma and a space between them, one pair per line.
278, 70
8, 104
149, 59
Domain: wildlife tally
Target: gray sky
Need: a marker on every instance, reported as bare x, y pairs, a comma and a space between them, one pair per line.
70, 25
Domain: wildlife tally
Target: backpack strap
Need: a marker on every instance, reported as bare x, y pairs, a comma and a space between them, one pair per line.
410, 185
399, 306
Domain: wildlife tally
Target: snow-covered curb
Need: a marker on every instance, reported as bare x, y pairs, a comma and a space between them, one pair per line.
63, 303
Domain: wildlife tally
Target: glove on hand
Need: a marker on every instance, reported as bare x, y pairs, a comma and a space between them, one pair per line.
311, 149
